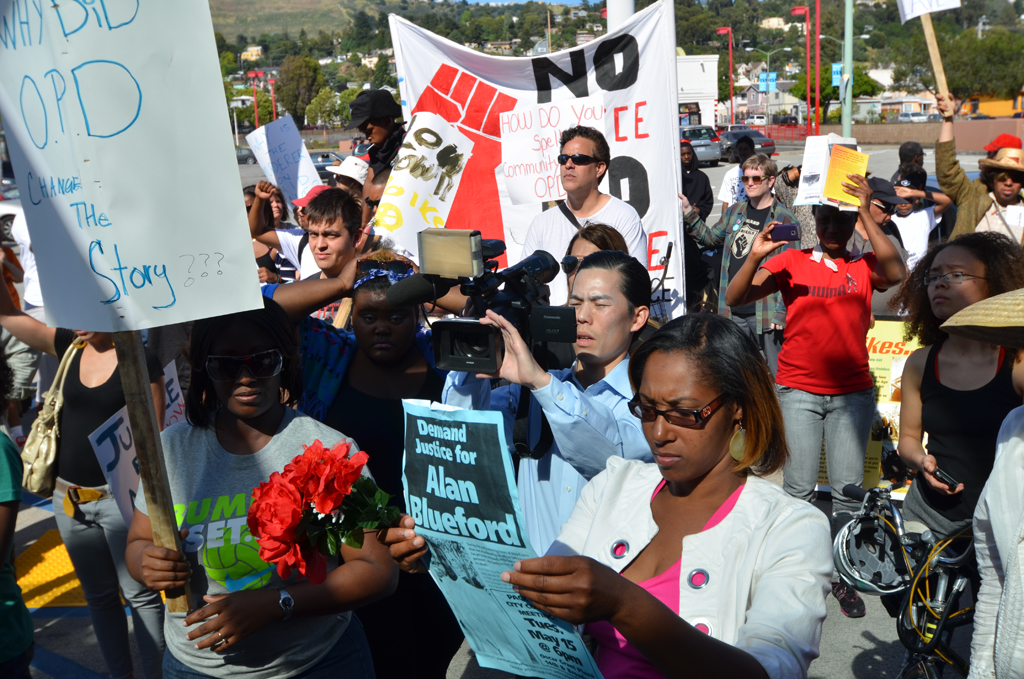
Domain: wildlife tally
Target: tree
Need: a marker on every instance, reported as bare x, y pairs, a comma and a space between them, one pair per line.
345, 100
222, 44
324, 109
228, 65
382, 74
990, 66
456, 37
265, 106
298, 82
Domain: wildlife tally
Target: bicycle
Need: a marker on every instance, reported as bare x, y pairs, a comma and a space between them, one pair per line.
919, 577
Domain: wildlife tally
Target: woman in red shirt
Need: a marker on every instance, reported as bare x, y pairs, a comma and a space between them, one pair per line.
825, 387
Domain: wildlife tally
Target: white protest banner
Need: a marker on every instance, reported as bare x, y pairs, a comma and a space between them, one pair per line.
174, 406
530, 146
632, 68
283, 157
110, 108
115, 451
423, 181
915, 8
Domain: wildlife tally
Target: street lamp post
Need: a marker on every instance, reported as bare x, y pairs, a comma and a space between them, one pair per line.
817, 66
806, 11
727, 30
273, 99
768, 69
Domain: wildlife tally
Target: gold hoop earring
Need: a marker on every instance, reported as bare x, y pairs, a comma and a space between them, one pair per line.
738, 444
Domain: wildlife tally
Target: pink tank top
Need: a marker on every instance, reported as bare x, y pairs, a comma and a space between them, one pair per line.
616, 657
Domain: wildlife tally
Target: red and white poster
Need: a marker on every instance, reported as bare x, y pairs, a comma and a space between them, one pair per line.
630, 72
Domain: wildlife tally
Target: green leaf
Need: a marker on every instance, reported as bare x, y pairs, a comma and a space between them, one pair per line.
354, 539
332, 543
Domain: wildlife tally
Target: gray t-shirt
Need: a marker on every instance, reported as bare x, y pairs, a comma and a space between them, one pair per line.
211, 490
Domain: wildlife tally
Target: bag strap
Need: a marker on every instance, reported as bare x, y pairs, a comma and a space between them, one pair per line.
303, 242
569, 215
62, 373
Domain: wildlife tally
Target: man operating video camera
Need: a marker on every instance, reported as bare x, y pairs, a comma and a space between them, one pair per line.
572, 420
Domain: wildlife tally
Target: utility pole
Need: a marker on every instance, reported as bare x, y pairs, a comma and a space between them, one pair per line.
981, 26
848, 71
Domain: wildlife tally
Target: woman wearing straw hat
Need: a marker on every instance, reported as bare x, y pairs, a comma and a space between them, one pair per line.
993, 201
998, 651
956, 389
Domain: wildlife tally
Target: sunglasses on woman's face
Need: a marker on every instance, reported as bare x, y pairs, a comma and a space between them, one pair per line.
261, 366
395, 266
570, 263
1015, 177
679, 417
576, 158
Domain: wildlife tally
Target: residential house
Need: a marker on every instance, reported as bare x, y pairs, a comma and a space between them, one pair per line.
584, 38
369, 62
252, 53
994, 106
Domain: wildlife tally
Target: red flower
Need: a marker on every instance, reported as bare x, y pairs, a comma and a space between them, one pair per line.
337, 477
275, 511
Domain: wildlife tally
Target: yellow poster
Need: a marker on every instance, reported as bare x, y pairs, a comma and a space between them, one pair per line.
887, 354
842, 162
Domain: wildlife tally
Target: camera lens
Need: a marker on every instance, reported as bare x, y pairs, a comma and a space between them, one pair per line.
470, 344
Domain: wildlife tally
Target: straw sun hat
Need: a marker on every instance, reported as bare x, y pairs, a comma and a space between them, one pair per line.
997, 320
1006, 159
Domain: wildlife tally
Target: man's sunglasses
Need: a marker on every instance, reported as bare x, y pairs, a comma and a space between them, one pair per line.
371, 202
395, 266
752, 179
884, 207
571, 263
577, 159
261, 366
679, 417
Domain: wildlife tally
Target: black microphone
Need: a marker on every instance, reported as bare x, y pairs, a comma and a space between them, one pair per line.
419, 288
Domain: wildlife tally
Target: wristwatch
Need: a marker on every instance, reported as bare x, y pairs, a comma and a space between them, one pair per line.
287, 604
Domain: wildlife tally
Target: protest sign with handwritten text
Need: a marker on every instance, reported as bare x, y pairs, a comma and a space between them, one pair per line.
424, 180
119, 134
530, 145
915, 8
114, 446
174, 400
283, 157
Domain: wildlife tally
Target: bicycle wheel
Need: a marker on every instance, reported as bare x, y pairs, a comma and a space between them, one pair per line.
920, 668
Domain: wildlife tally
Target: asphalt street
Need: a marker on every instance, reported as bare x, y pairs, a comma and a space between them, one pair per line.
850, 648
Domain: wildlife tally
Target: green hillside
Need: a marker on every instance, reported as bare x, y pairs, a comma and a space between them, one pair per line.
252, 17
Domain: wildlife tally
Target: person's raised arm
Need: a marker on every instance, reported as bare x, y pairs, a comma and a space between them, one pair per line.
693, 222
951, 177
751, 283
944, 105
941, 200
258, 228
890, 269
30, 331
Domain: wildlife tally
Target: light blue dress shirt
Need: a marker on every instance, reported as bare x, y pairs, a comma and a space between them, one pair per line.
588, 425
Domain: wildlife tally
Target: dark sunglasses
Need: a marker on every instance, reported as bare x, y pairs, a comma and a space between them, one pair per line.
756, 179
261, 366
1015, 177
570, 263
679, 417
371, 202
396, 266
884, 207
577, 159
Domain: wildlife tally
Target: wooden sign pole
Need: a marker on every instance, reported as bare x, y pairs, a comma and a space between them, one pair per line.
933, 52
131, 363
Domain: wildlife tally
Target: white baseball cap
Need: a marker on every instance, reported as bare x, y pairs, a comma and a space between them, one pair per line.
353, 168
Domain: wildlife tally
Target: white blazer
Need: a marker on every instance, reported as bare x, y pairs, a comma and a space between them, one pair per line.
997, 648
765, 568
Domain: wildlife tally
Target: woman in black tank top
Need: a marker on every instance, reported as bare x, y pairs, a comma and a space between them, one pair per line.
955, 390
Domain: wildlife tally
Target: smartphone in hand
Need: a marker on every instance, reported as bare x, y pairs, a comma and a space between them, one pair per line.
788, 232
946, 479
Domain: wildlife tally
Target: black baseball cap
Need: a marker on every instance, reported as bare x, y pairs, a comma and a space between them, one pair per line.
883, 190
371, 104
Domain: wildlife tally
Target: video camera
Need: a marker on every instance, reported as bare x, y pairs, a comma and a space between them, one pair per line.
450, 257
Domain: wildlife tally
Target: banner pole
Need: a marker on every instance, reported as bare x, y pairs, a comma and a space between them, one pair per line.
933, 52
131, 363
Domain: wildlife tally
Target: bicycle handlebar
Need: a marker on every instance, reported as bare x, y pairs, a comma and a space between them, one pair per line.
854, 492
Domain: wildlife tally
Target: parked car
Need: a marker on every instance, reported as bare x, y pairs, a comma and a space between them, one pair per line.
979, 116
6, 175
705, 142
1018, 114
758, 120
934, 118
10, 207
912, 117
789, 121
245, 156
762, 144
322, 161
730, 128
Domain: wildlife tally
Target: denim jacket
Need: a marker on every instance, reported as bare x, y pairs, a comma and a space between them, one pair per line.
771, 309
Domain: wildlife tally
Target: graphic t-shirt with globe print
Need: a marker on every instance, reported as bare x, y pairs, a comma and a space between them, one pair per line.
211, 491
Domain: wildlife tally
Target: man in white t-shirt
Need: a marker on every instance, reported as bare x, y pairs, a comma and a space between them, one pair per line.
293, 244
732, 190
916, 223
583, 164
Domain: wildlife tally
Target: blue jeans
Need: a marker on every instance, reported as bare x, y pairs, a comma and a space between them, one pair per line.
349, 658
845, 422
96, 538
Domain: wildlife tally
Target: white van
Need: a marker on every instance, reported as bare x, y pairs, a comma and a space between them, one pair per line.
759, 120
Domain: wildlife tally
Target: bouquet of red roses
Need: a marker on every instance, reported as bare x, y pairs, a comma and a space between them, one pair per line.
317, 503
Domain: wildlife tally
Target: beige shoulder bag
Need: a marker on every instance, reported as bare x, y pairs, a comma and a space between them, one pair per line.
40, 452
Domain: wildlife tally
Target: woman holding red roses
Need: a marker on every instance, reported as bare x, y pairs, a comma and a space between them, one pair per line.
251, 619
